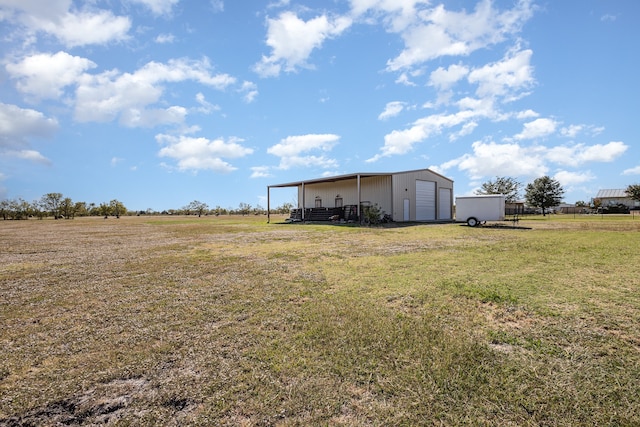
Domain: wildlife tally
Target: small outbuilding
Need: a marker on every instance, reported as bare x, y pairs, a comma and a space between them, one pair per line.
613, 197
417, 195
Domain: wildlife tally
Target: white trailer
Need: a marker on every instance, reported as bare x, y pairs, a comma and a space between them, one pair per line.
475, 210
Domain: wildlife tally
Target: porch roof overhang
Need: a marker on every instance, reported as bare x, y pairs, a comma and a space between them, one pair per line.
328, 179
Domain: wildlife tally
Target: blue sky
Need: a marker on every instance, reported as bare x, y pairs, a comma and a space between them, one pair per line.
158, 103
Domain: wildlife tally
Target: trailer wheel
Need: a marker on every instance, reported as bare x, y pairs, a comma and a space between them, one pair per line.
473, 222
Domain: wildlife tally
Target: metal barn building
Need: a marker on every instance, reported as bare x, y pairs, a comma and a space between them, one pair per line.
615, 197
417, 195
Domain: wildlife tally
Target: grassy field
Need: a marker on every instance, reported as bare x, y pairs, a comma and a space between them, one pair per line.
233, 321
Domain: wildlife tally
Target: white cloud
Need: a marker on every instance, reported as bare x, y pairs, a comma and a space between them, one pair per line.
608, 17
45, 75
404, 79
491, 159
293, 145
115, 161
579, 154
250, 91
505, 78
515, 159
500, 81
396, 14
573, 131
71, 27
538, 128
165, 38
85, 28
632, 171
392, 109
18, 125
434, 32
205, 106
261, 172
290, 151
158, 7
110, 95
569, 178
150, 117
467, 129
527, 114
292, 40
217, 5
443, 78
30, 155
55, 8
399, 142
201, 153
602, 153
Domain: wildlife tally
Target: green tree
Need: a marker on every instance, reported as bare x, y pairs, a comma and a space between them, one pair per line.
81, 209
544, 193
67, 208
197, 207
285, 208
5, 209
117, 208
24, 208
244, 208
104, 209
510, 187
38, 210
50, 202
633, 191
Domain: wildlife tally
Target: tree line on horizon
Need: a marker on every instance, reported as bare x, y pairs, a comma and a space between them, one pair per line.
543, 193
57, 206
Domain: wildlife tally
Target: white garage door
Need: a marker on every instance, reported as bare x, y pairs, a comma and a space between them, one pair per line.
444, 202
425, 200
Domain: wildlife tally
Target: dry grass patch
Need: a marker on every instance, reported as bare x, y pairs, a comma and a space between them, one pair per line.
232, 321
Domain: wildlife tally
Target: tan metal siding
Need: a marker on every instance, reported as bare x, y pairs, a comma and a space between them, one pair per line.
377, 190
327, 192
404, 187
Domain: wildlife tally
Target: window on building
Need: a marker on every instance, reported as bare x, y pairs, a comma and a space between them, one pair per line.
318, 202
338, 202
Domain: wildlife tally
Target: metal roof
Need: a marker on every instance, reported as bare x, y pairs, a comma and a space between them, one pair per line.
350, 176
612, 193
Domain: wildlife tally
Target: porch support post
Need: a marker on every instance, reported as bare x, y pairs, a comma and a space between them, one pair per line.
359, 199
268, 204
303, 202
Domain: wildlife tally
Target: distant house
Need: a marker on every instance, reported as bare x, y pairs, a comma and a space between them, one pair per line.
514, 208
417, 195
616, 197
568, 208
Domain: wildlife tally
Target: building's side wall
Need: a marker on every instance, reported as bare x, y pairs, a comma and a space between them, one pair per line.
404, 187
374, 190
327, 192
607, 201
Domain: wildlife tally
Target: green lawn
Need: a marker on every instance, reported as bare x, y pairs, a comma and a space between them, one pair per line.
233, 321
